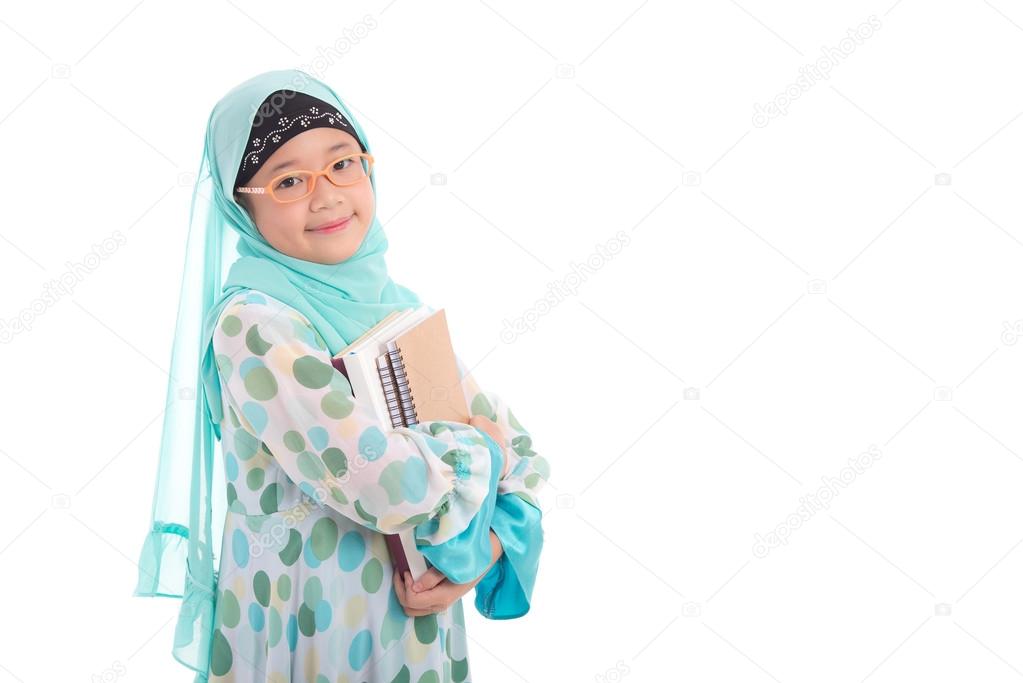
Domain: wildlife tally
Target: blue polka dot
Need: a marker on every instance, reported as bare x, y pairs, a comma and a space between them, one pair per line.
351, 550
240, 547
292, 632
254, 298
257, 618
309, 555
248, 364
360, 650
323, 615
307, 488
413, 480
256, 415
372, 443
230, 466
318, 437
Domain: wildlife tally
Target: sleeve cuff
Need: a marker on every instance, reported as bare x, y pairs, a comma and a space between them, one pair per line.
505, 592
465, 556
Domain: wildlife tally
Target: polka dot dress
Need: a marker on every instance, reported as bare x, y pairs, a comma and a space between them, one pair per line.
313, 480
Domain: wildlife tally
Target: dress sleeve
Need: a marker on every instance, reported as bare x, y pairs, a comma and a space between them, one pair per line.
505, 592
279, 383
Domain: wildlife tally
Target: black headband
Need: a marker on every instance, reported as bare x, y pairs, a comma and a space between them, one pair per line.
283, 115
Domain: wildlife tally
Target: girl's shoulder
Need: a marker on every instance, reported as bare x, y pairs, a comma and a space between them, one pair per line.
274, 318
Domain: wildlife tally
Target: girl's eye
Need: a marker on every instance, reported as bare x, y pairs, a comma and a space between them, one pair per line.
289, 182
342, 164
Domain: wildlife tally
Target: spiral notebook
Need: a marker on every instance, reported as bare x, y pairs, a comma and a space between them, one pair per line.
406, 366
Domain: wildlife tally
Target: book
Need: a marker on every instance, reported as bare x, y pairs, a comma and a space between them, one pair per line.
405, 367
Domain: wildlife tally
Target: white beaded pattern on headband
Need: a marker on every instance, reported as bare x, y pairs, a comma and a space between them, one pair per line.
302, 119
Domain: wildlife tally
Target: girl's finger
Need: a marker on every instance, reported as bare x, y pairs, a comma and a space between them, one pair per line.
428, 580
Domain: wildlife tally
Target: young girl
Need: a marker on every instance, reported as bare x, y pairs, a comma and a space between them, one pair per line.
308, 480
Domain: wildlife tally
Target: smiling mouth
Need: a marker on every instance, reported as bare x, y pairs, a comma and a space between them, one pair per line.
333, 226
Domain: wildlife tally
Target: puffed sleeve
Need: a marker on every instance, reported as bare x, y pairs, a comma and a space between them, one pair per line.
505, 592
278, 380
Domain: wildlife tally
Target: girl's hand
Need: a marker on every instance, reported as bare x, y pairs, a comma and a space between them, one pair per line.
487, 425
436, 592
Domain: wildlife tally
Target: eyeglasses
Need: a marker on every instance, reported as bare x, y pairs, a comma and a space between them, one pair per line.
295, 185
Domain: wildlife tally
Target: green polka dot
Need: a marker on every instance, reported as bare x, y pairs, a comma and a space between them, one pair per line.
231, 325
521, 445
294, 441
255, 343
324, 539
541, 466
372, 575
270, 500
403, 676
459, 669
261, 587
426, 628
220, 662
232, 495
363, 513
306, 620
254, 479
312, 372
337, 405
275, 627
310, 466
313, 592
532, 480
230, 610
293, 548
245, 445
284, 586
260, 384
336, 461
390, 480
430, 676
481, 406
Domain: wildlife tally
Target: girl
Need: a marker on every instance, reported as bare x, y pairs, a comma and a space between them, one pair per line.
307, 482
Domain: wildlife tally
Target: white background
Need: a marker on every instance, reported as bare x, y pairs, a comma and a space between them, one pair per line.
844, 280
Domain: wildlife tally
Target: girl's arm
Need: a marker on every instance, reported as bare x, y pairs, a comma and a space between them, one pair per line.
280, 385
527, 471
506, 590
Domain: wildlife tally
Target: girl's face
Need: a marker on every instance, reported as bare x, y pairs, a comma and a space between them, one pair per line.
291, 228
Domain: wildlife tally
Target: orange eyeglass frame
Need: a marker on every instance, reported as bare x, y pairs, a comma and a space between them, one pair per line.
266, 189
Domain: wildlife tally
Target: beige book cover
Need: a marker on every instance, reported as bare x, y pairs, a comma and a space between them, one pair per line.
432, 371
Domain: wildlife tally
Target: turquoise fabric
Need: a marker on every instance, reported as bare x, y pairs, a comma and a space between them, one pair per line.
180, 550
467, 555
507, 590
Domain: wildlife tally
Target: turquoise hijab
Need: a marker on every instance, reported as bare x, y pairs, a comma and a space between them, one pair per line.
341, 301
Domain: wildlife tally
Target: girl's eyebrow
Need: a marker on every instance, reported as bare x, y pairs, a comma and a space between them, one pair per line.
291, 162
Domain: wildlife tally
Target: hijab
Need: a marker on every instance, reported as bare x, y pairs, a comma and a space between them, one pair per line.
341, 301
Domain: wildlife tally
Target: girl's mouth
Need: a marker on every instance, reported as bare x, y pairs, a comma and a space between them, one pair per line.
332, 227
